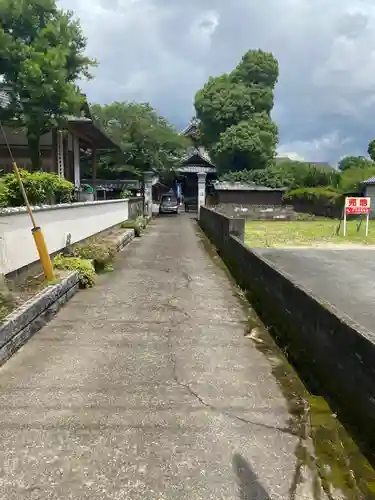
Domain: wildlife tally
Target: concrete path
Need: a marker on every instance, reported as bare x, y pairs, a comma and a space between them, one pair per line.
343, 277
146, 388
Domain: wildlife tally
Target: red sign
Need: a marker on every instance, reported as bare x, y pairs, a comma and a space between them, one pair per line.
357, 206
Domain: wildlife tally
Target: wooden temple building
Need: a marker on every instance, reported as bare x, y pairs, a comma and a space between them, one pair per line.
61, 150
196, 171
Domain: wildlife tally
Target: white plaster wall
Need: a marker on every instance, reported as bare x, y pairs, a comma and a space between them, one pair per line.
81, 220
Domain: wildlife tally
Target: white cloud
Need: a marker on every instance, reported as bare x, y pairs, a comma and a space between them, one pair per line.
318, 149
163, 51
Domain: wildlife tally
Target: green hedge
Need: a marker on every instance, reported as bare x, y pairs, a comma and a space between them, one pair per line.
320, 195
41, 188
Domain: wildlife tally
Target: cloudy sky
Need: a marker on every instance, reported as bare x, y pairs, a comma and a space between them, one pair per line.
162, 51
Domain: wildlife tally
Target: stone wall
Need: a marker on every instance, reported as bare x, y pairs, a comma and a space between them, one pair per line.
135, 208
336, 356
257, 212
250, 197
75, 221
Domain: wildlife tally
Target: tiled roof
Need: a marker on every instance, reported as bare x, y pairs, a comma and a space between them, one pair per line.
369, 181
201, 152
4, 98
193, 124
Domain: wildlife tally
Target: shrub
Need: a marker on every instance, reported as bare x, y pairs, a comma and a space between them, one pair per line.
138, 225
133, 224
126, 194
3, 195
41, 188
101, 252
320, 195
84, 267
64, 190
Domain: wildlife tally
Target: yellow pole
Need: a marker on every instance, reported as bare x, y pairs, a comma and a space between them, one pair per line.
45, 259
40, 242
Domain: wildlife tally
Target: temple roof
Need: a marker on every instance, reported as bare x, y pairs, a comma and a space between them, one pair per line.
197, 155
91, 133
191, 129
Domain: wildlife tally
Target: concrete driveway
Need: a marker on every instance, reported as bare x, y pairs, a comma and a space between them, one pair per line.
146, 388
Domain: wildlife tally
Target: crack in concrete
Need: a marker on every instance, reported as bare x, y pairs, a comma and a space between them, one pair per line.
232, 415
213, 408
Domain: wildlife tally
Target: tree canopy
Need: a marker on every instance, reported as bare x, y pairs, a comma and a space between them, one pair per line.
293, 175
351, 179
371, 150
41, 57
234, 112
287, 174
147, 140
349, 162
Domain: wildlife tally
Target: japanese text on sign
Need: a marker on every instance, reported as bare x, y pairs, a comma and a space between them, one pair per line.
357, 206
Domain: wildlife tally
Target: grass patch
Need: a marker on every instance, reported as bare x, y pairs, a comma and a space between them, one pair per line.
98, 250
7, 304
139, 224
84, 267
15, 294
319, 232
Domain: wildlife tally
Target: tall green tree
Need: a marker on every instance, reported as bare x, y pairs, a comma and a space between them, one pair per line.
257, 68
41, 58
234, 112
371, 150
147, 140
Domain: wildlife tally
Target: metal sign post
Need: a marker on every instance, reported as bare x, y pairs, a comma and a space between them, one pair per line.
357, 206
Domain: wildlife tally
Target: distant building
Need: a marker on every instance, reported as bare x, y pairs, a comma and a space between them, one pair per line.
237, 193
196, 171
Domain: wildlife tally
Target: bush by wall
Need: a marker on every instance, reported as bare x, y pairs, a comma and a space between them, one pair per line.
326, 195
84, 267
98, 250
126, 193
321, 201
41, 188
138, 225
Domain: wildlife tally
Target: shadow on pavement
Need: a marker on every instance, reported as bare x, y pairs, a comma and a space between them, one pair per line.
249, 485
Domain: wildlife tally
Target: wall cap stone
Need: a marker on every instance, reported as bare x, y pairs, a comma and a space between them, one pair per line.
4, 212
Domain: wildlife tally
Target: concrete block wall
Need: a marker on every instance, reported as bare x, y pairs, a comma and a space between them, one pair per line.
336, 355
79, 220
257, 212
